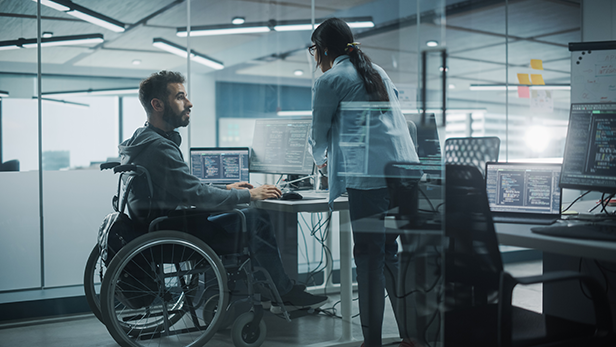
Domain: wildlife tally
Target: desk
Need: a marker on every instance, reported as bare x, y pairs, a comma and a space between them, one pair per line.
561, 254
284, 217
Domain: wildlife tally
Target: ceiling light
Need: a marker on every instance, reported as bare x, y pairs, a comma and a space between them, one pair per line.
4, 94
432, 43
53, 41
293, 113
452, 86
262, 27
47, 34
85, 14
54, 5
441, 69
94, 92
181, 51
67, 103
211, 30
136, 62
298, 72
299, 25
238, 20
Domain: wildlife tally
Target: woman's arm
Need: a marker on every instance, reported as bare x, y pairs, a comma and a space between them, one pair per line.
324, 105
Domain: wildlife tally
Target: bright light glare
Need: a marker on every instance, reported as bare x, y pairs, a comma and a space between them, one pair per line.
238, 20
537, 138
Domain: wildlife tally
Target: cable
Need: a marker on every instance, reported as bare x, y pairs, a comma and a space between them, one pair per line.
574, 201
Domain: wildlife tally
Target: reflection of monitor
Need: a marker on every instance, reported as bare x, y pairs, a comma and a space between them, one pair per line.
426, 141
220, 165
589, 162
280, 146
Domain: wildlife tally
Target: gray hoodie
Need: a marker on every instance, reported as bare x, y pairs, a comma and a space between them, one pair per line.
174, 185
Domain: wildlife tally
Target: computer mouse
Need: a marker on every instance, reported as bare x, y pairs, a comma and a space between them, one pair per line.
291, 196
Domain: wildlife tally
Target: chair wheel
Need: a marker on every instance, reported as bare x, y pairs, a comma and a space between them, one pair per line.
240, 332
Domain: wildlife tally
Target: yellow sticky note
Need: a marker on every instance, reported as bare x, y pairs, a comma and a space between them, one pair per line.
537, 79
523, 78
536, 64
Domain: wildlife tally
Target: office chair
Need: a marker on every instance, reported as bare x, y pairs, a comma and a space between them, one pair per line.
478, 292
11, 165
475, 151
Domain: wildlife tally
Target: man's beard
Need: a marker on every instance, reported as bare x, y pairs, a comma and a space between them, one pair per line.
175, 119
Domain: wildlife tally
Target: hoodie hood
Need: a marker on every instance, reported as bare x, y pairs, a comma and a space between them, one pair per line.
141, 139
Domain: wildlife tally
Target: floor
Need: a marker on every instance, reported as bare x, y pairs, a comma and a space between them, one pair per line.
87, 331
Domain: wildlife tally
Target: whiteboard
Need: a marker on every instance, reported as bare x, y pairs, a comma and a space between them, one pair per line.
593, 76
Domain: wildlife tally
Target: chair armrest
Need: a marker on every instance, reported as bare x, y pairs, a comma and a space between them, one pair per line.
603, 316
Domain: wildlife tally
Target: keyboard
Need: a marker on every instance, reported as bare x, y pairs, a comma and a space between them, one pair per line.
603, 231
524, 220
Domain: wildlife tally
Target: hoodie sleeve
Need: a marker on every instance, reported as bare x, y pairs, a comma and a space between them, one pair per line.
178, 187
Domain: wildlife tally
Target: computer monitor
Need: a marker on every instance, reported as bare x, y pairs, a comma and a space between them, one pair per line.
426, 140
589, 162
220, 165
280, 146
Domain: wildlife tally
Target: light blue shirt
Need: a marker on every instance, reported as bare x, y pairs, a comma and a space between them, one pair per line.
355, 137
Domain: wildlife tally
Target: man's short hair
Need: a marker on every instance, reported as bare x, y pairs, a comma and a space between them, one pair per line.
155, 87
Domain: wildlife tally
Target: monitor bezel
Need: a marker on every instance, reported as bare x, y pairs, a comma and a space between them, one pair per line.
593, 188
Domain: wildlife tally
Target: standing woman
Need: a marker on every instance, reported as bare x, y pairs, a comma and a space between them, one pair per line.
350, 76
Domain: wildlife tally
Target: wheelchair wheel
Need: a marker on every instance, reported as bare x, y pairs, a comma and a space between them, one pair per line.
156, 288
92, 277
241, 334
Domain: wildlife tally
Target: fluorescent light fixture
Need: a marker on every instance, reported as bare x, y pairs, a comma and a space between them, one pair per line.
136, 62
432, 43
293, 113
299, 25
4, 94
94, 92
262, 27
223, 30
514, 87
68, 103
47, 34
238, 20
181, 51
85, 14
54, 5
53, 41
298, 72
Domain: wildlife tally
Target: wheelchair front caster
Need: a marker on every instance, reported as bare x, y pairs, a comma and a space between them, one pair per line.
242, 333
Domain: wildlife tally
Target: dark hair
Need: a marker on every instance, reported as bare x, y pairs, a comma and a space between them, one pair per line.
155, 87
334, 34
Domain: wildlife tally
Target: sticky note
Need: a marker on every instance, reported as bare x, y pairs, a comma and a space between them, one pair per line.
537, 79
523, 78
536, 64
523, 92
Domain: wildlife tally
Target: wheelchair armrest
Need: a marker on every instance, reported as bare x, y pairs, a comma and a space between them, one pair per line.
603, 316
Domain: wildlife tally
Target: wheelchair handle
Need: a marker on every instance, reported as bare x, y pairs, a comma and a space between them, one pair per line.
109, 165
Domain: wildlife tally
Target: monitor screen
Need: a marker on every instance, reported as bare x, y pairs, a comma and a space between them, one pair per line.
523, 187
280, 146
589, 162
427, 142
220, 165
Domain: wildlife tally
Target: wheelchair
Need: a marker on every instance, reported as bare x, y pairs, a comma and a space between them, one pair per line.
170, 288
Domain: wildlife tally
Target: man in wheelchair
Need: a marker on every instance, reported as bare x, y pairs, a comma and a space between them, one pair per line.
156, 147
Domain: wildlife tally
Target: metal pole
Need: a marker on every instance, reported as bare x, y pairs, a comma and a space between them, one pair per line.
40, 142
444, 86
0, 130
424, 79
120, 119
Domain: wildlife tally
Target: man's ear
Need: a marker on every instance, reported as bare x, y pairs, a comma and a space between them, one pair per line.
157, 105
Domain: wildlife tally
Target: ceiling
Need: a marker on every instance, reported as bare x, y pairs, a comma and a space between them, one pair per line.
473, 32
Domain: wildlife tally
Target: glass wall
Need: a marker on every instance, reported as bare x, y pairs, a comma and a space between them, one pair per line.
497, 68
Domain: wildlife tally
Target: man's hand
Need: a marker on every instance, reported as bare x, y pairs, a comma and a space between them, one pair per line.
239, 185
265, 191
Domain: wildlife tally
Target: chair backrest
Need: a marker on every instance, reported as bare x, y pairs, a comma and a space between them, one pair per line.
473, 260
476, 151
10, 165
